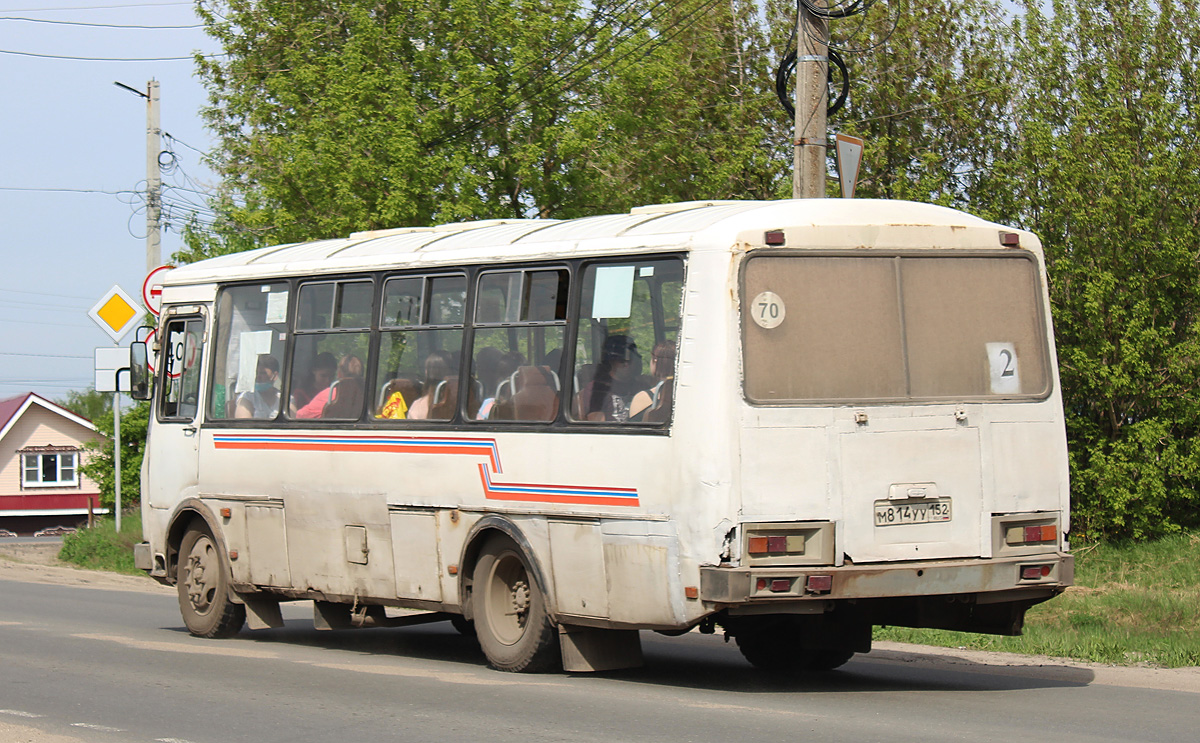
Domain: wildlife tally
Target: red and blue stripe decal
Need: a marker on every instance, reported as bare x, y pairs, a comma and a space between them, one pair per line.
573, 494
478, 447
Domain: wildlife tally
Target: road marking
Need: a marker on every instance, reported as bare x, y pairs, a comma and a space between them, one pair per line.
19, 713
171, 740
176, 647
101, 728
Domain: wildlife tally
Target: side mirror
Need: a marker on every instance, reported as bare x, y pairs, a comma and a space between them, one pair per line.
139, 372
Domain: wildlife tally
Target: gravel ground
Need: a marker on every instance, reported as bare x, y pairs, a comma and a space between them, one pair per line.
39, 563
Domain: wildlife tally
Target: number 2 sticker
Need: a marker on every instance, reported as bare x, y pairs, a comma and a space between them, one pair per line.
1002, 365
767, 310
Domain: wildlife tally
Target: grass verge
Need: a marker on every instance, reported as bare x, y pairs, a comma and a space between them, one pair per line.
1132, 604
102, 548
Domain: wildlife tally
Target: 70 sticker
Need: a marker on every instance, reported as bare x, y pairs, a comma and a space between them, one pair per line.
767, 310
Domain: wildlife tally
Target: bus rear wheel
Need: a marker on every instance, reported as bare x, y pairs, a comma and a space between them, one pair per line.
779, 647
511, 623
766, 656
202, 581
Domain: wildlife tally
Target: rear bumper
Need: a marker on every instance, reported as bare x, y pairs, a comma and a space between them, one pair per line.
988, 580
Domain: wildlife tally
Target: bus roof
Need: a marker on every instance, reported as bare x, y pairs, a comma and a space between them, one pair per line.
681, 226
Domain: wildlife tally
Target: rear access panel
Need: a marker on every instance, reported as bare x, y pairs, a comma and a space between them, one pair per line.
911, 494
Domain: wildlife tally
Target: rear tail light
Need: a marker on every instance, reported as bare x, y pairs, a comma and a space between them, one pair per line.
819, 584
776, 544
1035, 572
781, 585
1035, 534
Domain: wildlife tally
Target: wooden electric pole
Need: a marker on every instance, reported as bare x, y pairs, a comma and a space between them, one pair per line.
812, 72
153, 179
153, 174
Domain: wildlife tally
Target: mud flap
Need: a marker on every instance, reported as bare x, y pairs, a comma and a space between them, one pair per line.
586, 649
262, 613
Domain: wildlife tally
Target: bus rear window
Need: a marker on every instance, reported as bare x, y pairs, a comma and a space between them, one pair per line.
851, 328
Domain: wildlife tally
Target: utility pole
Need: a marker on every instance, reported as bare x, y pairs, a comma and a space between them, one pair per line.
812, 73
153, 180
153, 174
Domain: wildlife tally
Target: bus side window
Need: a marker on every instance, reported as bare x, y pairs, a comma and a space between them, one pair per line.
181, 356
630, 312
328, 364
520, 327
420, 345
251, 325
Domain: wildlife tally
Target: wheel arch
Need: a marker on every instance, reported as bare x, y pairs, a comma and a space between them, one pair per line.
481, 531
189, 512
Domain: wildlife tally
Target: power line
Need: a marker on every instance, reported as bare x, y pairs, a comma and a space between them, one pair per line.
185, 144
64, 190
644, 23
19, 306
94, 7
43, 355
45, 294
98, 25
106, 59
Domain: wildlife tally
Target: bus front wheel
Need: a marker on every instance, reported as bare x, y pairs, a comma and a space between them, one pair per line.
203, 587
511, 622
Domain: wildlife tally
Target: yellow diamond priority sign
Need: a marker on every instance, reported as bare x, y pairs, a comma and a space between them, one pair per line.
116, 313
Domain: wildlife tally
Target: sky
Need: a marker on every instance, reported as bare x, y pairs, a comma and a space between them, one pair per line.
72, 161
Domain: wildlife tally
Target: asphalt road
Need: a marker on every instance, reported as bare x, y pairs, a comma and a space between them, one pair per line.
105, 666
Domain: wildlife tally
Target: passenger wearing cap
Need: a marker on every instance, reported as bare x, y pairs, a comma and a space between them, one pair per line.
606, 397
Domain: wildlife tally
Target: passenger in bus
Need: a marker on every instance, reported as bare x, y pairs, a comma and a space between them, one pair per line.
487, 368
350, 367
263, 400
437, 369
397, 396
496, 379
348, 392
319, 378
498, 405
654, 404
606, 397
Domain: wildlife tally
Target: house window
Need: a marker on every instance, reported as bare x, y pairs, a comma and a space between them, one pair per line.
45, 470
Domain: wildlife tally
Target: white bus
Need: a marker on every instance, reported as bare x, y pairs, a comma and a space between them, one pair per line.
790, 420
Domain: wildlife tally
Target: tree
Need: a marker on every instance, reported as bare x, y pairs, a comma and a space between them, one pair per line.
99, 463
1106, 168
931, 85
361, 114
87, 403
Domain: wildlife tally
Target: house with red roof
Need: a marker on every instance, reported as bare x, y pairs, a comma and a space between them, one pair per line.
41, 449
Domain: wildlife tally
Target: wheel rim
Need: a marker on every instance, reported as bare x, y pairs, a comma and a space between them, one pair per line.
201, 575
509, 597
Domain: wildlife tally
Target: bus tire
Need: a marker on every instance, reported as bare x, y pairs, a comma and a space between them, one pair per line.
202, 581
511, 623
766, 652
462, 625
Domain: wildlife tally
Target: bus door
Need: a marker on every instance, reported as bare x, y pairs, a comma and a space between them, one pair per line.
173, 449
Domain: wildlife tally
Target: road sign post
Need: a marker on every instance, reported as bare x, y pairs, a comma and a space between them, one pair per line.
849, 158
116, 313
152, 289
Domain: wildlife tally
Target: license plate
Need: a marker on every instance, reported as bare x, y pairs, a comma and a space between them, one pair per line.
890, 513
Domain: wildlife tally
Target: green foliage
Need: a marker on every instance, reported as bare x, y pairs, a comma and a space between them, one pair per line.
1133, 603
931, 85
1106, 169
99, 461
1078, 122
87, 403
102, 547
362, 114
